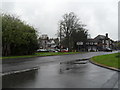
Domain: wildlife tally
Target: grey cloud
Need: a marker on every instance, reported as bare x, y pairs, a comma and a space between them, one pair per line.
100, 17
7, 7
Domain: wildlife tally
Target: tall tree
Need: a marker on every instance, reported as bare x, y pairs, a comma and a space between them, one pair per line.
69, 26
80, 35
18, 38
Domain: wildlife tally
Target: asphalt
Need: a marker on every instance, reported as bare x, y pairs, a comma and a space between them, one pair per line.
9, 65
53, 74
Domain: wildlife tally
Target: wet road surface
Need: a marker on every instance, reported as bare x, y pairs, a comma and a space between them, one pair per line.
52, 74
10, 65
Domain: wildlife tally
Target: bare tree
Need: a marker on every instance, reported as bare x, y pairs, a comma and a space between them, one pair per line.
69, 24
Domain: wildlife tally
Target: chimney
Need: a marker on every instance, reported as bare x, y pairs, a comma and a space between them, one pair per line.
106, 35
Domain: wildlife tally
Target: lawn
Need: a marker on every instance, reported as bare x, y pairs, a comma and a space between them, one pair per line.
41, 54
111, 60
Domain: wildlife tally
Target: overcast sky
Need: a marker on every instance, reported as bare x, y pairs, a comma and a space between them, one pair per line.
100, 16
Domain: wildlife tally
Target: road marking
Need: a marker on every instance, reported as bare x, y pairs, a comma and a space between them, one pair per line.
20, 71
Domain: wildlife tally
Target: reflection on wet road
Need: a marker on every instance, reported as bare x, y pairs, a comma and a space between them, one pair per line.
26, 63
50, 76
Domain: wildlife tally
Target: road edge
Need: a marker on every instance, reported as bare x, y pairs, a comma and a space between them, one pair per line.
104, 66
38, 56
21, 71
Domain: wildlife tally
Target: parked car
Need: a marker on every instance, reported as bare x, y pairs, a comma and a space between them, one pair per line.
51, 50
42, 50
108, 49
64, 50
58, 50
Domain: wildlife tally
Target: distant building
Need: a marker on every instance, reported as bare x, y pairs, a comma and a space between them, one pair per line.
43, 41
53, 43
117, 45
46, 43
99, 43
44, 36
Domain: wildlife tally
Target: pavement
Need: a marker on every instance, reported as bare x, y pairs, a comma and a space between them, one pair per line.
52, 75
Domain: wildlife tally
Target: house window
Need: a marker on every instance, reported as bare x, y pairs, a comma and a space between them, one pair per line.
87, 43
110, 42
95, 43
107, 42
102, 41
91, 43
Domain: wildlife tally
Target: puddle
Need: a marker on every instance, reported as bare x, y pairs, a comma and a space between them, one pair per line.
75, 64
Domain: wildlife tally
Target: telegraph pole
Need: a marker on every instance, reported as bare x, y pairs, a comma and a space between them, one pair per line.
60, 38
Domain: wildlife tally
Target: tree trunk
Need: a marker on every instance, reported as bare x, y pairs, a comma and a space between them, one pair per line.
6, 50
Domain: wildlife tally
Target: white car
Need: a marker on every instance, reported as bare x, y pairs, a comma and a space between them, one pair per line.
42, 50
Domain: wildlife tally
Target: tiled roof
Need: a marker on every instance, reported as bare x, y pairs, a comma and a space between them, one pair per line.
98, 38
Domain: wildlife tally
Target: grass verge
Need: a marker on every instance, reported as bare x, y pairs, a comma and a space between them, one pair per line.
40, 54
110, 60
